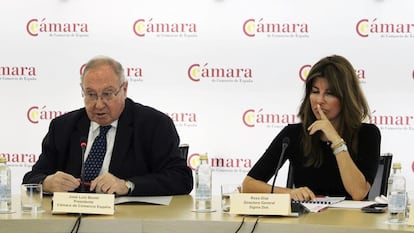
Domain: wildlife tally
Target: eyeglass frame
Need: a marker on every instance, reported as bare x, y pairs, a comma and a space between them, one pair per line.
109, 95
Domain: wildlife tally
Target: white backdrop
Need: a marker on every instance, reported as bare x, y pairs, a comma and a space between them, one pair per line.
172, 50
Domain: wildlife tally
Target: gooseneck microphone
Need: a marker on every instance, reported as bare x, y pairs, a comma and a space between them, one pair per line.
82, 174
285, 144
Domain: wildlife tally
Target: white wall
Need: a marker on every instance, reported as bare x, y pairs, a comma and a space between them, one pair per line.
209, 112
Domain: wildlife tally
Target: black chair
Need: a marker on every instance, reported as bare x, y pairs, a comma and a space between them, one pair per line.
380, 185
184, 151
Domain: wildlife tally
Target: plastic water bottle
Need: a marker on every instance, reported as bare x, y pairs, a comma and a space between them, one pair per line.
203, 186
5, 186
397, 196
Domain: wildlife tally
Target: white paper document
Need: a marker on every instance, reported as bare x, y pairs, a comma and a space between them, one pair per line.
321, 203
324, 200
159, 200
349, 204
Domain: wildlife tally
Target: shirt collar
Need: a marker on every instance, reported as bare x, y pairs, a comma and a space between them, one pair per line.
95, 126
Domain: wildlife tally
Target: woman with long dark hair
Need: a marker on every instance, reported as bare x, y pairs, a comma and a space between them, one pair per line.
333, 152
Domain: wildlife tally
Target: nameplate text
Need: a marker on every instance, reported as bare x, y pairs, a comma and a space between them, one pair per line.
86, 203
260, 204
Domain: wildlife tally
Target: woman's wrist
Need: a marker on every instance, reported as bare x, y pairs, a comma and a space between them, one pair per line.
339, 146
342, 148
337, 143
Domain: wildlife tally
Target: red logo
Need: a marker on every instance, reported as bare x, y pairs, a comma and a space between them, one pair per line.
304, 72
253, 27
366, 27
20, 73
133, 73
253, 117
143, 27
391, 121
35, 114
183, 119
34, 27
196, 72
217, 162
25, 158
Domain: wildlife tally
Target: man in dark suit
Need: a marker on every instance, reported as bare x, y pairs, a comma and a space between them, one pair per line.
142, 155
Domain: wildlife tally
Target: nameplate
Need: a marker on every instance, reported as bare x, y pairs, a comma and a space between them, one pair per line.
260, 204
85, 203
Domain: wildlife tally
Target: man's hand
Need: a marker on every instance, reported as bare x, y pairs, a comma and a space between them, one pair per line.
60, 182
108, 183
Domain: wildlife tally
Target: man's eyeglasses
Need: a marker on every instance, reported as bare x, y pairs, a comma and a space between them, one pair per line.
105, 96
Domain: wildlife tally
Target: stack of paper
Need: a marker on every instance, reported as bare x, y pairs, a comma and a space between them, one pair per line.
321, 203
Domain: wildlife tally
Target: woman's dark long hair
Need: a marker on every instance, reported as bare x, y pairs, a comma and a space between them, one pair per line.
344, 84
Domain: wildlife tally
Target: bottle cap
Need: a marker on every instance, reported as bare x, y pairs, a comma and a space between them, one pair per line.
396, 166
203, 157
2, 159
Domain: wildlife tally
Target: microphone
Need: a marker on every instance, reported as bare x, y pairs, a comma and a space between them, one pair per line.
285, 144
82, 175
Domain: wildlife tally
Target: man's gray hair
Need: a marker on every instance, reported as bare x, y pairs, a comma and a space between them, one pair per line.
103, 60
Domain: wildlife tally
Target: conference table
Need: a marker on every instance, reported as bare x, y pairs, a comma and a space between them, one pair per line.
179, 217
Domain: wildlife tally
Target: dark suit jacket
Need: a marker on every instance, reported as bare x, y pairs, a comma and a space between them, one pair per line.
145, 151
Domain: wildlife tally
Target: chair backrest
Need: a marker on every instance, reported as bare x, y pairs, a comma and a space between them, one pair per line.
380, 185
184, 151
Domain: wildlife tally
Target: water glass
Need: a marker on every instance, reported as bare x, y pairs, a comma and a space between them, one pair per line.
31, 198
226, 191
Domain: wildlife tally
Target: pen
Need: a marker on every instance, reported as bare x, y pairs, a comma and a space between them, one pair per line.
85, 183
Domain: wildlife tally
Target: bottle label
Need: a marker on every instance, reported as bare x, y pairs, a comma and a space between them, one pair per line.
4, 206
203, 192
3, 179
397, 202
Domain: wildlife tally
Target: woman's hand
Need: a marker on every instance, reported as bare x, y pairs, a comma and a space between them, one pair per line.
302, 194
324, 125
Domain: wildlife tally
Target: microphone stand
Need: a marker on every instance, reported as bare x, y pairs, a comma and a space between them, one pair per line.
285, 144
82, 174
